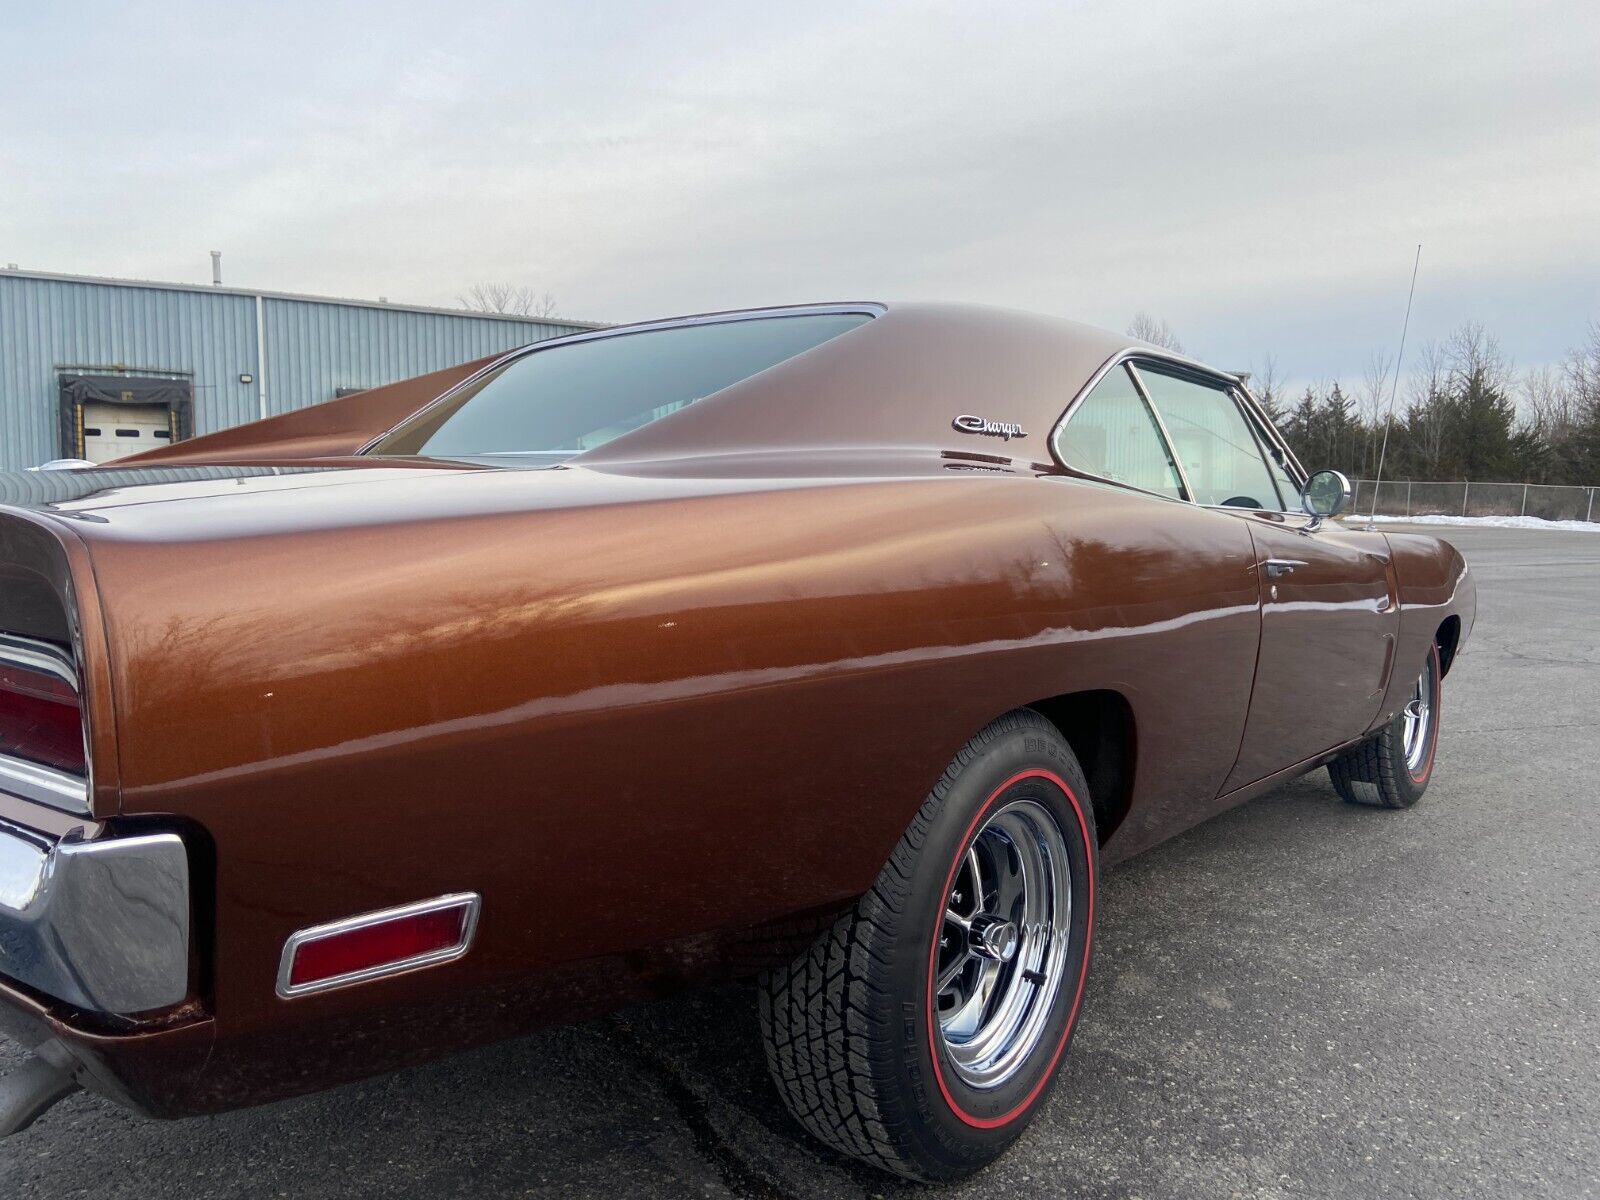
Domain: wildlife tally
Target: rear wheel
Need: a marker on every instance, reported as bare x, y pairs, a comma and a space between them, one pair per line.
1392, 768
924, 1029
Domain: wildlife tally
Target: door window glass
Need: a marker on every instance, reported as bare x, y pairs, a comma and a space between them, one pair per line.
1214, 442
1113, 434
1288, 489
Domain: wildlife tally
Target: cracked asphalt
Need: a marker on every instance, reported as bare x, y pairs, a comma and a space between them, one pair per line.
1298, 998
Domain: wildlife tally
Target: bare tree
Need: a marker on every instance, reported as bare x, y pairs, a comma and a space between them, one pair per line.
1429, 412
1427, 373
514, 299
1372, 408
1157, 332
1582, 369
1472, 352
1375, 386
1550, 404
1267, 386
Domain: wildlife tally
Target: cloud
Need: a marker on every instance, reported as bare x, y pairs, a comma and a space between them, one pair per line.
1257, 173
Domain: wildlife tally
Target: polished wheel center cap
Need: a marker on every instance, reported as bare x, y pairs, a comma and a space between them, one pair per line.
994, 937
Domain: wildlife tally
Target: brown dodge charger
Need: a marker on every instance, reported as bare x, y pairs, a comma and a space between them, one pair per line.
845, 644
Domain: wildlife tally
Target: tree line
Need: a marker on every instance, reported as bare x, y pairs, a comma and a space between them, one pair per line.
1463, 412
512, 299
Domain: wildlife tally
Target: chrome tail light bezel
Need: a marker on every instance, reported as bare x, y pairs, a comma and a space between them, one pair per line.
39, 782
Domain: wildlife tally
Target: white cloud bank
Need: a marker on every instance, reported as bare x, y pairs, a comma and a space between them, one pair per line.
1256, 173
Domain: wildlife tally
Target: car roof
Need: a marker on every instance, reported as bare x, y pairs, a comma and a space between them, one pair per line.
899, 380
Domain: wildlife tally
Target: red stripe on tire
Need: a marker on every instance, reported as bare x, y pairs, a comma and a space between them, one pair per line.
1083, 973
1438, 710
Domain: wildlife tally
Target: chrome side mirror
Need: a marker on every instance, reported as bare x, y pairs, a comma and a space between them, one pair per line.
1326, 494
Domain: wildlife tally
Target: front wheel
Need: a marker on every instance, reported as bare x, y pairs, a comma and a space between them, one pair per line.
923, 1030
1391, 769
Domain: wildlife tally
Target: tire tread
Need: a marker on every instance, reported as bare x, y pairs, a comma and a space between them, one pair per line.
828, 1028
1367, 773
1374, 772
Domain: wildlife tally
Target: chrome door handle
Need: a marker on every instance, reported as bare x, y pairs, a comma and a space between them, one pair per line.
1277, 568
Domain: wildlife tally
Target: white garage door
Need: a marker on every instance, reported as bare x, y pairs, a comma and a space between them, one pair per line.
117, 430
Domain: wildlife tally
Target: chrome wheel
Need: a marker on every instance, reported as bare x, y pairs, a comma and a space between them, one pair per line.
1419, 717
1003, 943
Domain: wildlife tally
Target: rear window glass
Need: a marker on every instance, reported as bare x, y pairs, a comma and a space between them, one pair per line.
572, 398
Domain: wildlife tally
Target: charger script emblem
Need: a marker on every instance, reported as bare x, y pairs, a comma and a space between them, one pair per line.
1000, 429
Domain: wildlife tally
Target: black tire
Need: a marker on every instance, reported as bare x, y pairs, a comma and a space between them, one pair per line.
1376, 772
852, 1038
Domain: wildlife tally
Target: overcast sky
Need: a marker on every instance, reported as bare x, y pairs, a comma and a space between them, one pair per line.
1258, 174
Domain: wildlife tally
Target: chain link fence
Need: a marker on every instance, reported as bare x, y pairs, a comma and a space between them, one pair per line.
1411, 498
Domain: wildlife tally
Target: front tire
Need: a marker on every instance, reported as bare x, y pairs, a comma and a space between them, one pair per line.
1392, 768
924, 1029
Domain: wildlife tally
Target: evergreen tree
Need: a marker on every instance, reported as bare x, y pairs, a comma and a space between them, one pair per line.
1342, 431
1480, 437
1300, 429
1461, 421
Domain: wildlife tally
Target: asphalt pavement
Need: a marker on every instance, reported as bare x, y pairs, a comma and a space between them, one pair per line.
1298, 998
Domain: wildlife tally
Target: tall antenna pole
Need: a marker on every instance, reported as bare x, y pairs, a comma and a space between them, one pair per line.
1394, 391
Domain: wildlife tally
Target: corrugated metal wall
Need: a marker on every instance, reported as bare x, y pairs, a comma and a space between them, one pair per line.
314, 347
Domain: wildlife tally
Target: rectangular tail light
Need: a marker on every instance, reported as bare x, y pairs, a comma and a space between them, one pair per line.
378, 944
41, 717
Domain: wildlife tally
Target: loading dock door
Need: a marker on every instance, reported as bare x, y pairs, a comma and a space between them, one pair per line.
106, 417
118, 430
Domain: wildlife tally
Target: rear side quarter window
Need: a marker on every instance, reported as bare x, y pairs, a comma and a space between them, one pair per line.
1111, 434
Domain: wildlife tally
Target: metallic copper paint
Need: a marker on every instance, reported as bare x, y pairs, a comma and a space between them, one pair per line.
1434, 586
364, 687
1323, 652
335, 427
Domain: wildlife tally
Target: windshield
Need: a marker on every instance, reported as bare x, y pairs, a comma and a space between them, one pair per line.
570, 398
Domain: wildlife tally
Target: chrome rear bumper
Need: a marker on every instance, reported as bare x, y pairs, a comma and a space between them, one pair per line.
101, 925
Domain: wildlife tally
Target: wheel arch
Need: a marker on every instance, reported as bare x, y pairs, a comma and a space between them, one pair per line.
1447, 637
1099, 726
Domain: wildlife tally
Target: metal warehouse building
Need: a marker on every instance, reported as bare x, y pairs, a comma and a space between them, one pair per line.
99, 368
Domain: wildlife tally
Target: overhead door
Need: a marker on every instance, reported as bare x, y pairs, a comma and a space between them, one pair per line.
118, 430
107, 417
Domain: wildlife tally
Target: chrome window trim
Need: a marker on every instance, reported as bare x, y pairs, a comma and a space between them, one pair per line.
1105, 369
33, 781
1265, 452
1231, 383
1275, 440
1161, 424
472, 902
865, 308
1227, 386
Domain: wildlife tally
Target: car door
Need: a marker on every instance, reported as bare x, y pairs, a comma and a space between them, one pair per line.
1329, 613
1179, 581
1328, 625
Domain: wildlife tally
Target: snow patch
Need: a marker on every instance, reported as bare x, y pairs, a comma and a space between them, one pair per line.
1485, 522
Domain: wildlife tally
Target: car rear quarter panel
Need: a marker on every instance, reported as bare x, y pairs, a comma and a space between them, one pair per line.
47, 591
628, 724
